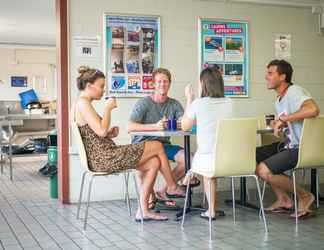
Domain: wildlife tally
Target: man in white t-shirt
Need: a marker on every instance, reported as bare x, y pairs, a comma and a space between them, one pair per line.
293, 105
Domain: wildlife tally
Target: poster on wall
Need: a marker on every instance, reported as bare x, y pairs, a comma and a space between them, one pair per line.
19, 81
224, 44
132, 51
283, 46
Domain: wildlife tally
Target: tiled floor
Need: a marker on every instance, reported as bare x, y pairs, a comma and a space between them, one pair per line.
30, 220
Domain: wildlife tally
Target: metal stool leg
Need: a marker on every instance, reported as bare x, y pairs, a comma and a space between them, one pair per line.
10, 160
1, 160
209, 206
261, 204
81, 193
186, 201
127, 199
88, 204
247, 191
295, 200
262, 195
138, 198
317, 189
233, 198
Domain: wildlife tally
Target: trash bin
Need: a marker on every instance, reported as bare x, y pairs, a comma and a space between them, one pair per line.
52, 138
53, 186
52, 162
52, 155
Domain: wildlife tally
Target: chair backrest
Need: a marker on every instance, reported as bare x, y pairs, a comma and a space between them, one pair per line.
235, 147
311, 146
80, 145
261, 122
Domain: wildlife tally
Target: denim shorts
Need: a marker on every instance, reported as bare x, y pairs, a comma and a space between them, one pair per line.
171, 150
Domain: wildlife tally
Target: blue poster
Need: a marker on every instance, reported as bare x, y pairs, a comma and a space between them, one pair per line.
224, 44
19, 81
132, 45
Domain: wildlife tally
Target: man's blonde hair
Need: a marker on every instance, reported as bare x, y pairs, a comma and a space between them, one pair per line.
161, 71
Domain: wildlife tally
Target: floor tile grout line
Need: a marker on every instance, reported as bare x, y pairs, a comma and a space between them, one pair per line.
10, 227
26, 225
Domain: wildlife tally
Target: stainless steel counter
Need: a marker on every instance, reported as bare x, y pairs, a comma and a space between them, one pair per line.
14, 125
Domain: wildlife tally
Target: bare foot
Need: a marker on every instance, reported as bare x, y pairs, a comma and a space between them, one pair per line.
279, 204
178, 191
149, 215
305, 202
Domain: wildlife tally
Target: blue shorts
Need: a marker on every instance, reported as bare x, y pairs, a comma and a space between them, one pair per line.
171, 150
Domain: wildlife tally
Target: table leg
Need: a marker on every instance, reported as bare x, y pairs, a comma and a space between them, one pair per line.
10, 159
313, 183
1, 162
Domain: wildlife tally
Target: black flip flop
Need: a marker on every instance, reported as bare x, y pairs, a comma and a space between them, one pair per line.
150, 219
174, 196
306, 215
279, 210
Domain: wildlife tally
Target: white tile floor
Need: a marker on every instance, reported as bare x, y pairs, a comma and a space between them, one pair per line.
30, 220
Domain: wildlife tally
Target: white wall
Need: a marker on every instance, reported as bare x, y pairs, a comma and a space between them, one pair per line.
180, 55
30, 63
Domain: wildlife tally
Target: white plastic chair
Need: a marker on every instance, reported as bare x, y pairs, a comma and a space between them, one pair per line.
234, 155
311, 154
87, 170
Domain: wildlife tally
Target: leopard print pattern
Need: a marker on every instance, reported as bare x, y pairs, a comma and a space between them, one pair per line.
105, 156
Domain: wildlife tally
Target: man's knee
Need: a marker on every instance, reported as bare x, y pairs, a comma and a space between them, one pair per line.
263, 171
179, 158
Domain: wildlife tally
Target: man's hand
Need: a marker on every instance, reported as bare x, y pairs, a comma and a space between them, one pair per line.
179, 127
113, 132
277, 127
160, 125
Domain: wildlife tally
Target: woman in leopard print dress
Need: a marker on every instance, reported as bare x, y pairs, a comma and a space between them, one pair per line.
104, 155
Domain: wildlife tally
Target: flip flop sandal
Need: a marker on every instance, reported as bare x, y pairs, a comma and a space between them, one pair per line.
174, 196
151, 219
152, 203
279, 210
165, 203
303, 216
220, 213
206, 217
192, 185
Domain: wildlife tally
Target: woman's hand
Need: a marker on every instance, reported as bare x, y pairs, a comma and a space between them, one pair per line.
111, 103
189, 93
113, 132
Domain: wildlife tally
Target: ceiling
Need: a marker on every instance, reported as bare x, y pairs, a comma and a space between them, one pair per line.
32, 22
27, 22
297, 3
